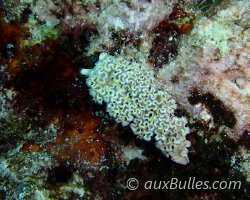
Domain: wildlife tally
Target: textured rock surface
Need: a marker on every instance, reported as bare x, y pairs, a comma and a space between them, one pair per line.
57, 143
214, 59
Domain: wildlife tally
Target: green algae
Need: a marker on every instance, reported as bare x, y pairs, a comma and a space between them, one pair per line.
215, 35
41, 32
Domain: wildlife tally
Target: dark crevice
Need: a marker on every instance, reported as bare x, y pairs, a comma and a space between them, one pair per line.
222, 115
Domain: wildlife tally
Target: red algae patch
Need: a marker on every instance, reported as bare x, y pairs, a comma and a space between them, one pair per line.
31, 147
79, 147
46, 87
167, 34
79, 143
12, 37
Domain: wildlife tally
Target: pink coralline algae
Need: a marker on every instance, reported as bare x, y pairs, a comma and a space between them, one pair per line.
214, 60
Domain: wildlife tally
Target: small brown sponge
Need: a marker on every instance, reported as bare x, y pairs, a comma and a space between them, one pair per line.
135, 98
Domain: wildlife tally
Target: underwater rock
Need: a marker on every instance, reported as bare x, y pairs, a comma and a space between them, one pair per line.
213, 60
56, 142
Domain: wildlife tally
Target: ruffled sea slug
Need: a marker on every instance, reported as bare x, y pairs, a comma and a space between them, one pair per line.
134, 98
